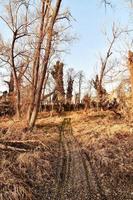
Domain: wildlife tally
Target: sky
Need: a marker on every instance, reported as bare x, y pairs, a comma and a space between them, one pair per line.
91, 19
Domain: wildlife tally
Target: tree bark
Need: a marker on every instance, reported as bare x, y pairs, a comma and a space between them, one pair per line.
57, 74
130, 67
40, 77
69, 90
36, 63
15, 77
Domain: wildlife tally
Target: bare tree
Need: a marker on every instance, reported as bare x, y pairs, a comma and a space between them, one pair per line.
80, 76
105, 68
34, 43
71, 75
86, 101
9, 53
48, 17
57, 74
10, 83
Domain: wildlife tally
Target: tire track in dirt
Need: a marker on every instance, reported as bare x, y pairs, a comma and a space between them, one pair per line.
63, 165
92, 178
75, 178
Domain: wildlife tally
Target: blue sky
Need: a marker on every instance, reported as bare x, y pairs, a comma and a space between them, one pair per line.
91, 20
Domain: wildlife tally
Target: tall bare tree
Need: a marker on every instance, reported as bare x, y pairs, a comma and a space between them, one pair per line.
48, 15
9, 53
105, 68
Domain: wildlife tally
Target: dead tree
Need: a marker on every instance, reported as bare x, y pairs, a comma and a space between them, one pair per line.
10, 53
57, 74
40, 35
101, 92
71, 75
86, 101
130, 67
48, 16
10, 83
80, 76
69, 90
105, 68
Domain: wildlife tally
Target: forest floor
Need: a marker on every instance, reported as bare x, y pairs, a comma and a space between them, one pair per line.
77, 156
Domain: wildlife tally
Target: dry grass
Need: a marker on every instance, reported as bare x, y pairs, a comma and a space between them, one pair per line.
109, 145
28, 175
107, 140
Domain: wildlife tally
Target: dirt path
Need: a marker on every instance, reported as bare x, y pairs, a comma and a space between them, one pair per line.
76, 179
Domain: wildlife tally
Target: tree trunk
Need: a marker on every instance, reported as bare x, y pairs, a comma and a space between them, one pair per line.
101, 92
57, 74
130, 67
18, 107
69, 90
10, 83
36, 64
36, 97
17, 86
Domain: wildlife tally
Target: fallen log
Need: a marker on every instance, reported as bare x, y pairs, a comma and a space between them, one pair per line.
22, 146
9, 148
